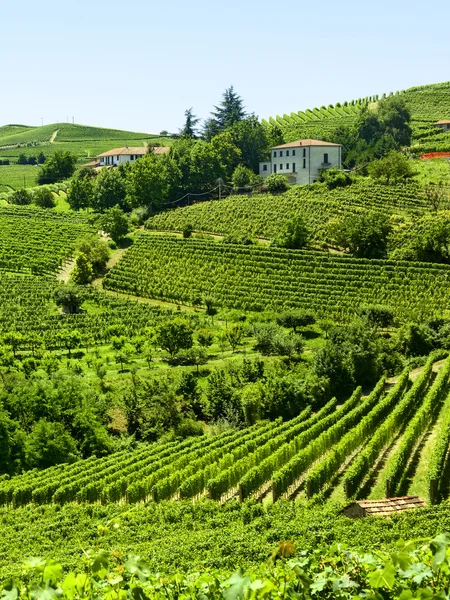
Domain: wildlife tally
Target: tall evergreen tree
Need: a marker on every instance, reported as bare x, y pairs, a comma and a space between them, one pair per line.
190, 126
230, 111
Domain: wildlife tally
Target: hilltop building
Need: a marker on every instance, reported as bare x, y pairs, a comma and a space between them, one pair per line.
444, 124
302, 161
119, 156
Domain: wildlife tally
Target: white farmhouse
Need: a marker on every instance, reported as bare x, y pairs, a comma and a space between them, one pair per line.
119, 156
302, 161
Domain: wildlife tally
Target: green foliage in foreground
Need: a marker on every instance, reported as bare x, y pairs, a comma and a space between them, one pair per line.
415, 569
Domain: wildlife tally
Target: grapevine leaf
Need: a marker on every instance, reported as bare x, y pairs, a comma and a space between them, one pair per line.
383, 578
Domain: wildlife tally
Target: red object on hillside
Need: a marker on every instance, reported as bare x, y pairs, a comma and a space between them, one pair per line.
435, 155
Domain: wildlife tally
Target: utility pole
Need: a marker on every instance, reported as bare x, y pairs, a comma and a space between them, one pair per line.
73, 120
42, 121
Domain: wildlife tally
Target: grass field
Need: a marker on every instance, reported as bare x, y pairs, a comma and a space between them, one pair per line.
17, 176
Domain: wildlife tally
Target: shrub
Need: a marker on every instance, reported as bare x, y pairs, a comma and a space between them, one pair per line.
276, 184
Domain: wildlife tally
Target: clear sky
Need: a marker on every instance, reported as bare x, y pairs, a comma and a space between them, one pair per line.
139, 64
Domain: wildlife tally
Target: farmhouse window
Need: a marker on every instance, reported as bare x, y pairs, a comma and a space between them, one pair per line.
274, 168
325, 158
281, 167
281, 153
287, 152
304, 163
274, 154
264, 167
293, 167
293, 152
287, 166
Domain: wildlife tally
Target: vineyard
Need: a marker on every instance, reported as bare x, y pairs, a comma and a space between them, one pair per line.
427, 105
265, 215
27, 307
35, 240
258, 278
307, 455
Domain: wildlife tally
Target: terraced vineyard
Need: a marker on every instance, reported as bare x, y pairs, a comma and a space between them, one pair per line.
27, 307
35, 240
265, 215
427, 104
307, 452
257, 278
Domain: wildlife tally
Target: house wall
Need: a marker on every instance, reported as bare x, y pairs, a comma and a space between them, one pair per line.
303, 162
118, 159
444, 126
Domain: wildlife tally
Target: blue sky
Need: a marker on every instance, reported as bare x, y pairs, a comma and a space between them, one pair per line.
138, 65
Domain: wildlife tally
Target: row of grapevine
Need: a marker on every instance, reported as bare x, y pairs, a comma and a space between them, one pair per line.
289, 474
386, 432
322, 475
437, 471
258, 278
418, 425
227, 478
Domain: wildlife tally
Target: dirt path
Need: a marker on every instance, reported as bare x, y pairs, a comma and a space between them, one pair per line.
66, 271
53, 136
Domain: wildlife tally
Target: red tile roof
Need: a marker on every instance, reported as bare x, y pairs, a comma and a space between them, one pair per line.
298, 143
443, 122
139, 150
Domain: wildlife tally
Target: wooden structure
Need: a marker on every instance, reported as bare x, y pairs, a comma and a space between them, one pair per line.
384, 508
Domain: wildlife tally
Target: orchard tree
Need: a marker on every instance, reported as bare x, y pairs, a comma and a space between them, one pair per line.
109, 190
294, 236
83, 272
365, 235
393, 167
174, 335
21, 197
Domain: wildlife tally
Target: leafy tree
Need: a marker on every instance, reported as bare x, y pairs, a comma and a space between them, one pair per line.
294, 236
150, 180
61, 165
378, 315
251, 137
109, 189
415, 339
243, 177
80, 192
174, 336
83, 272
41, 158
365, 235
296, 318
435, 195
97, 252
22, 160
276, 183
69, 298
49, 444
21, 197
197, 356
14, 339
187, 231
44, 198
334, 178
234, 334
393, 167
70, 339
205, 337
32, 160
114, 222
190, 126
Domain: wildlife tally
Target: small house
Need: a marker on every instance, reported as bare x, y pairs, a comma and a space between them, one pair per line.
302, 161
119, 156
444, 125
383, 508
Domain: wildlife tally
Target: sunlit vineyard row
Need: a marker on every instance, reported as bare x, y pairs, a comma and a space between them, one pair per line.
37, 240
276, 458
258, 278
265, 215
27, 307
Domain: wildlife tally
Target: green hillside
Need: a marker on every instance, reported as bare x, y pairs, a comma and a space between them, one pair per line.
428, 104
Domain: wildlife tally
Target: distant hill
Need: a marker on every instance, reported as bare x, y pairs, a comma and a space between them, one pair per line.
83, 140
427, 103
